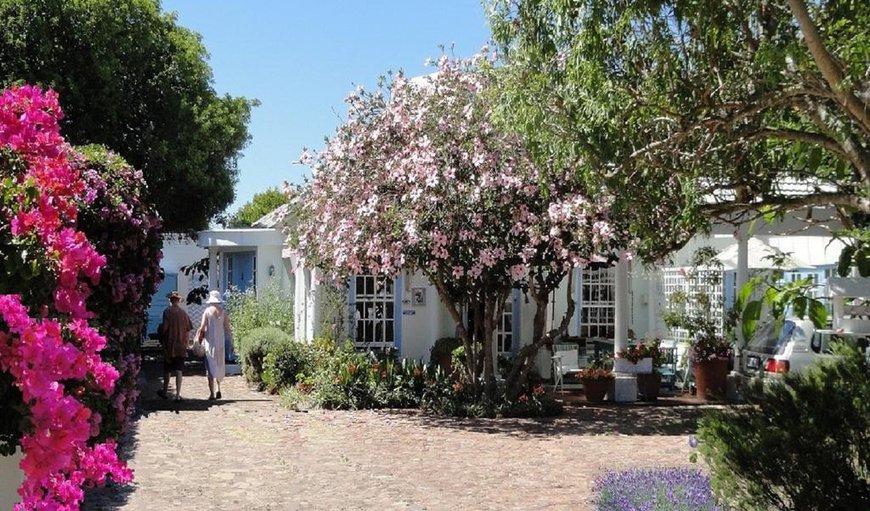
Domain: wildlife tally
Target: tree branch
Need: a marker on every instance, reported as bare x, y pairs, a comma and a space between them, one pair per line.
857, 109
801, 136
791, 203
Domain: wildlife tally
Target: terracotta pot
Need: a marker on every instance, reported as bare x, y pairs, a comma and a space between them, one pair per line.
711, 377
649, 385
596, 389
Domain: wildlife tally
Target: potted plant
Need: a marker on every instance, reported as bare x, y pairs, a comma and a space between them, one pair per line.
638, 359
647, 358
710, 355
596, 382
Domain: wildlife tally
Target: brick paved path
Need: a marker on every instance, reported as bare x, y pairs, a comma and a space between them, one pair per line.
246, 452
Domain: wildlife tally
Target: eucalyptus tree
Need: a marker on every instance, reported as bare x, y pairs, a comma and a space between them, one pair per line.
695, 110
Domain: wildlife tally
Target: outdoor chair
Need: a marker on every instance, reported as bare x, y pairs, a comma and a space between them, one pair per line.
566, 360
668, 369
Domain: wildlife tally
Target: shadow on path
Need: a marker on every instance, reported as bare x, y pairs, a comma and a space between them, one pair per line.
114, 496
643, 420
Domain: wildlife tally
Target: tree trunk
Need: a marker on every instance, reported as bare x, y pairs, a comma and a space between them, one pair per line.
526, 357
461, 328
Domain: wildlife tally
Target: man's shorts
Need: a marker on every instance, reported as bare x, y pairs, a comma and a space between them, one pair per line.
173, 364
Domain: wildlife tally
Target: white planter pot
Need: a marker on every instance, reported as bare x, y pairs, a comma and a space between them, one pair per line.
643, 366
11, 478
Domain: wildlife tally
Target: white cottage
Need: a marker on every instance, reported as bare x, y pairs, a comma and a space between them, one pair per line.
406, 314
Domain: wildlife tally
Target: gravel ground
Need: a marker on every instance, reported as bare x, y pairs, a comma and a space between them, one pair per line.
246, 452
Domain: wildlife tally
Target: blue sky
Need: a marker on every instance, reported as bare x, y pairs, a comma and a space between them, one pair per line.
301, 58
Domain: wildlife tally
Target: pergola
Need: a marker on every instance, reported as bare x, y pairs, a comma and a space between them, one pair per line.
804, 222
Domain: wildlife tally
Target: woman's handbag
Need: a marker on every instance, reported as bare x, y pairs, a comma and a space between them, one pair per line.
197, 349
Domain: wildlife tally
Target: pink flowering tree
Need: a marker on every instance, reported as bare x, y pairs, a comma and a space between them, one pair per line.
419, 178
50, 363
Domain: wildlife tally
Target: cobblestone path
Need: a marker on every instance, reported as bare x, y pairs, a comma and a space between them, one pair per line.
246, 452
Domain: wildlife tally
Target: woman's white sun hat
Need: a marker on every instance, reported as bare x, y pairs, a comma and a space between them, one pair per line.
214, 296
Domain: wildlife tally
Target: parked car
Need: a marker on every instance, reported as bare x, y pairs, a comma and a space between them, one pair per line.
797, 347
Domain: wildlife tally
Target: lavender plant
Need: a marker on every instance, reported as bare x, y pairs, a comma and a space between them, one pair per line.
668, 489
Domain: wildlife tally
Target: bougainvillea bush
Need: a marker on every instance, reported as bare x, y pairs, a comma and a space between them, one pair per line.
420, 178
126, 231
50, 363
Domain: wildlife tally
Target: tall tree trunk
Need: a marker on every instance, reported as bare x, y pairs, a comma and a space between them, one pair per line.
526, 357
462, 330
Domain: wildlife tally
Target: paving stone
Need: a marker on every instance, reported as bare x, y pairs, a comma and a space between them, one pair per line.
247, 452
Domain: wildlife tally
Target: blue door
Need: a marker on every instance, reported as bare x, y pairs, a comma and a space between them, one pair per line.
159, 302
241, 270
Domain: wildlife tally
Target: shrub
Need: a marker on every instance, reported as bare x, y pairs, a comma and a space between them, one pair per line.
347, 379
339, 377
249, 310
256, 345
443, 349
285, 363
659, 489
801, 444
52, 375
532, 404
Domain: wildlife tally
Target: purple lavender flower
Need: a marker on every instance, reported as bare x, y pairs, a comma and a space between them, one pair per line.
678, 489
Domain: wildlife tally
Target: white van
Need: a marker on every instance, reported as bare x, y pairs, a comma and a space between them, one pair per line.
797, 347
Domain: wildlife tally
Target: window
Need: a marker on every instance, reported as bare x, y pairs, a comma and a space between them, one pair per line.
505, 328
597, 303
374, 311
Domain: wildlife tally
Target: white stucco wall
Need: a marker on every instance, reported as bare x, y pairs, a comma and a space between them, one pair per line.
427, 323
179, 251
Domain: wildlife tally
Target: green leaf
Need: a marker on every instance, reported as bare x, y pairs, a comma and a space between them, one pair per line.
815, 158
799, 306
744, 295
749, 320
845, 261
818, 313
769, 213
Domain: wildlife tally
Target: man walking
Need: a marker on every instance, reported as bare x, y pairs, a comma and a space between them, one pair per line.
173, 332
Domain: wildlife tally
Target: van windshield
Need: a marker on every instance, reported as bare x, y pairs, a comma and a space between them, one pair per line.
765, 340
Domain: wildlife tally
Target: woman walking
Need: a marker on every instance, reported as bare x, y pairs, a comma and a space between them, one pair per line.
213, 331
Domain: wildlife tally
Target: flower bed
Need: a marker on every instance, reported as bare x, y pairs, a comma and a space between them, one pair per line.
662, 489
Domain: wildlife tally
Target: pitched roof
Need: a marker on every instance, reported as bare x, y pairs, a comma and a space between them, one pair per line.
274, 219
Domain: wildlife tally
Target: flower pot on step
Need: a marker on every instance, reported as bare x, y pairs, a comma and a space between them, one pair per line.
711, 377
649, 385
596, 389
